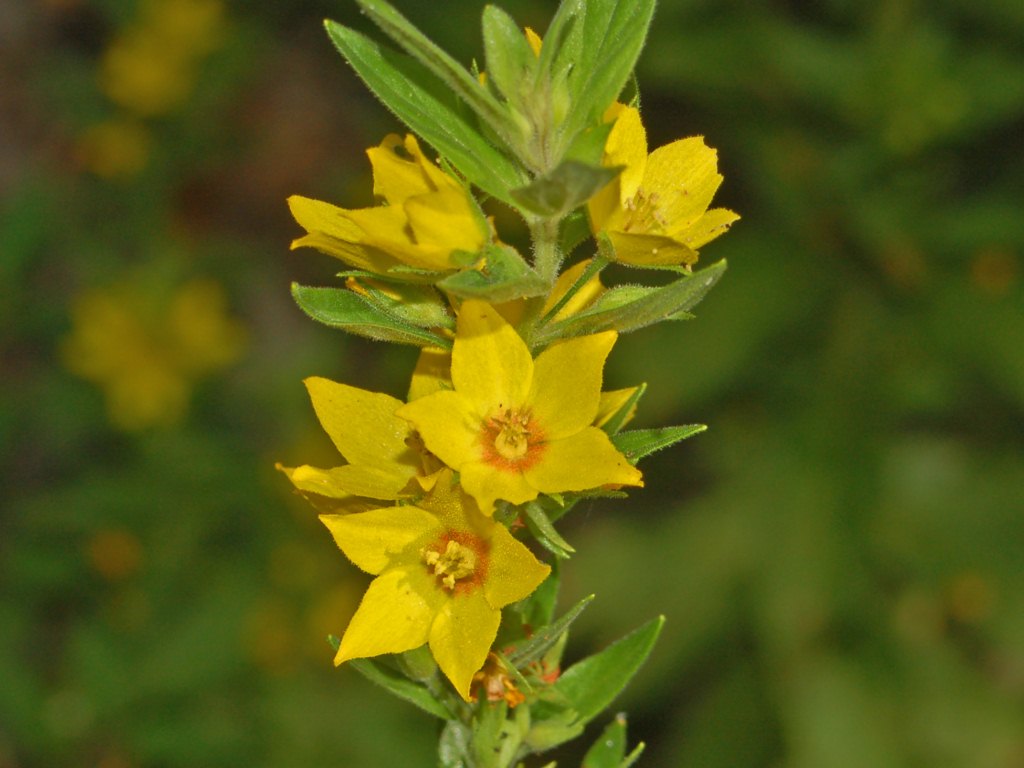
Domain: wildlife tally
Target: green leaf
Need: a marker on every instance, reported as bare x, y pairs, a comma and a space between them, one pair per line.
593, 683
401, 687
638, 443
609, 751
546, 637
575, 229
443, 66
557, 728
542, 529
500, 274
612, 36
511, 63
628, 308
424, 104
614, 424
566, 187
610, 748
420, 305
341, 308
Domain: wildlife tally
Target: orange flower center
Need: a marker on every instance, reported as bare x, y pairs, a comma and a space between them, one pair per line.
512, 440
643, 213
458, 560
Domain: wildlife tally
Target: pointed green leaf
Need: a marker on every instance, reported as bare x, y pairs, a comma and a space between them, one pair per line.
542, 529
443, 66
610, 748
593, 683
423, 103
630, 307
498, 274
417, 304
565, 188
341, 308
557, 728
510, 60
638, 443
546, 637
612, 36
402, 687
575, 229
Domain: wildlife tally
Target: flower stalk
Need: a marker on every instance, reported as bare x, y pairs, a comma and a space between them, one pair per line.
451, 497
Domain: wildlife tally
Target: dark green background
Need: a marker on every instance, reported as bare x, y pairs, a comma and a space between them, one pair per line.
838, 557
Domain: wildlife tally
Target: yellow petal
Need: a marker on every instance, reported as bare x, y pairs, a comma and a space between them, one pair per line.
584, 297
374, 540
627, 145
650, 250
395, 615
486, 484
580, 462
445, 220
396, 177
684, 176
513, 572
534, 40
461, 636
709, 226
612, 402
331, 230
449, 425
361, 424
433, 373
491, 365
387, 481
567, 384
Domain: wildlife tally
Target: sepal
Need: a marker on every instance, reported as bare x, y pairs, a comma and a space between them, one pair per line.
496, 274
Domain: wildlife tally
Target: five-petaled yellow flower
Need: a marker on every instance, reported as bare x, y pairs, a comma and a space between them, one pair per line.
427, 216
380, 447
656, 211
515, 427
444, 572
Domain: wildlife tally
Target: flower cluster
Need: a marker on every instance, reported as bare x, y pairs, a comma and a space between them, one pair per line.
506, 425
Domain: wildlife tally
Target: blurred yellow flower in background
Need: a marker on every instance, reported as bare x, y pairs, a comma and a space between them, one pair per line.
115, 148
146, 355
151, 68
656, 211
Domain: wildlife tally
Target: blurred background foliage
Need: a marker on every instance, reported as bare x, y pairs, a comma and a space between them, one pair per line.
839, 556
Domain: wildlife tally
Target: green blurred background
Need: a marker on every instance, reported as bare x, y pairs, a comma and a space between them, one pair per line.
839, 556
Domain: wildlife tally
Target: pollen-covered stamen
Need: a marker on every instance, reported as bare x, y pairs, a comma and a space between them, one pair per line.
455, 562
511, 439
643, 213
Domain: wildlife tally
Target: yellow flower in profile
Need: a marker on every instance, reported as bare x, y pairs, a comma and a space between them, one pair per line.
145, 354
656, 211
427, 216
444, 572
515, 427
379, 446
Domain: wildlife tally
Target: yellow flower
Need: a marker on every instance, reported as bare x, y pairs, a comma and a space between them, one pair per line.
428, 216
514, 427
656, 211
444, 572
145, 353
380, 447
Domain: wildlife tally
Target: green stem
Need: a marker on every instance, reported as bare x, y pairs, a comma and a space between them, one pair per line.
547, 256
